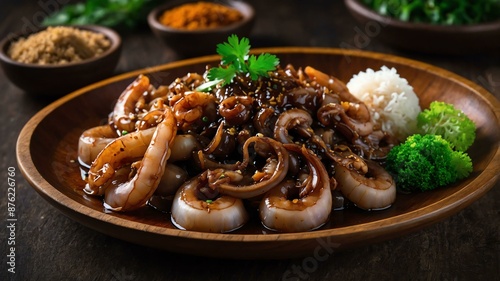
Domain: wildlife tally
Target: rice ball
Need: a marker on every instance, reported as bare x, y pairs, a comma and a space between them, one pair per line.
393, 104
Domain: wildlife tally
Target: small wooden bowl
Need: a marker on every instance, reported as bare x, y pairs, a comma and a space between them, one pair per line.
427, 38
47, 157
57, 80
191, 43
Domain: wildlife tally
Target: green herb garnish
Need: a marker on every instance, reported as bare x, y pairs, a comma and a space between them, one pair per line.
236, 60
127, 13
446, 12
209, 201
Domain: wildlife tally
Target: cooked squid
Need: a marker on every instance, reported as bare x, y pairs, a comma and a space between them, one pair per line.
301, 205
92, 141
296, 119
374, 190
136, 191
119, 152
279, 145
194, 209
271, 174
123, 116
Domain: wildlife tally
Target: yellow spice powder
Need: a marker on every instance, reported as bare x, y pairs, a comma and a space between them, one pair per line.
200, 15
59, 45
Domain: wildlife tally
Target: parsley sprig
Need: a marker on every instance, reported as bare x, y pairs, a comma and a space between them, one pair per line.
236, 60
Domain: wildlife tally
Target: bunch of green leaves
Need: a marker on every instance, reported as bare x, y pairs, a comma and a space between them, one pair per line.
446, 12
236, 60
112, 13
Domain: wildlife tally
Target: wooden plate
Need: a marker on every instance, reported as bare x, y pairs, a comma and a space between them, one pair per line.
47, 151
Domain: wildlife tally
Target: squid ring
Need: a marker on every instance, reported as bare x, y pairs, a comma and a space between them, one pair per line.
192, 212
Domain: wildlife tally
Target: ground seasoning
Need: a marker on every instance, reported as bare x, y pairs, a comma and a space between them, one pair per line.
59, 45
200, 15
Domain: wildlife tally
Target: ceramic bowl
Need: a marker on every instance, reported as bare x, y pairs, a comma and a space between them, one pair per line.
427, 38
191, 43
57, 80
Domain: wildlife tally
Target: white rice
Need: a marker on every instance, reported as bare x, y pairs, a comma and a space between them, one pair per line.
393, 103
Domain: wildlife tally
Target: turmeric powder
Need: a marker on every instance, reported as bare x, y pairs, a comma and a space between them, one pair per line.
200, 15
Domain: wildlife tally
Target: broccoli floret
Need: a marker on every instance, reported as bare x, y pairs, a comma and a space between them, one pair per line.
462, 163
452, 124
426, 162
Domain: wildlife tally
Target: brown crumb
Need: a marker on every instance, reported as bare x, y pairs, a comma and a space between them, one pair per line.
200, 15
59, 45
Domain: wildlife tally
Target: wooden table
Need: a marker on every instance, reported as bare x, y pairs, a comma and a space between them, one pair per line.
50, 246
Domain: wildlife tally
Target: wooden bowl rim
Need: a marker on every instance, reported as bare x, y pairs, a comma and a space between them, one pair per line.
404, 222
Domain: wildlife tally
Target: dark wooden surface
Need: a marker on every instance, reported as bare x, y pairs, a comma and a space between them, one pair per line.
49, 246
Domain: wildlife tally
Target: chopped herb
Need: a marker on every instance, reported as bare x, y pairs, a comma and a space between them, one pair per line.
114, 13
209, 201
236, 60
447, 12
204, 119
124, 132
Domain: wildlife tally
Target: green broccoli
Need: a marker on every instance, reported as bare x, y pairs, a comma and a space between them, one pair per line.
426, 162
452, 124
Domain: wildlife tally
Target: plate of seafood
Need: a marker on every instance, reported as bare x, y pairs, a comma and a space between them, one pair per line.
268, 155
